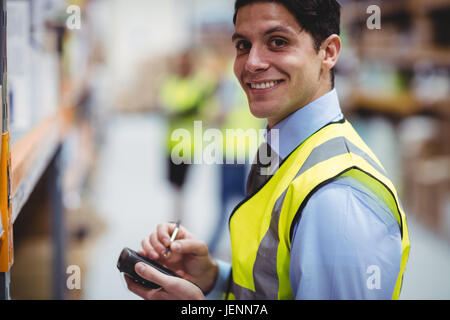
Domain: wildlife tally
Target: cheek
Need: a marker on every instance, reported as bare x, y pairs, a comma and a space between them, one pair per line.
304, 62
237, 67
307, 73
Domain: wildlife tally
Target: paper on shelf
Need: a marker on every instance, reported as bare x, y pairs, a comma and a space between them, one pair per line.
18, 55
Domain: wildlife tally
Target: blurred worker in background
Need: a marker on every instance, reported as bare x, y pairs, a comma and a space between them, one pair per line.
324, 224
183, 96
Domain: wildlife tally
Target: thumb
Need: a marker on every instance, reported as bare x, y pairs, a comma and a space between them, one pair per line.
190, 246
151, 274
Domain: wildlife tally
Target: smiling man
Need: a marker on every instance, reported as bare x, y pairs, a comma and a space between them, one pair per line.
278, 63
325, 222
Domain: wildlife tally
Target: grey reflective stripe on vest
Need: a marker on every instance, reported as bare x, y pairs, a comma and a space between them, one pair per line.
265, 274
242, 293
333, 148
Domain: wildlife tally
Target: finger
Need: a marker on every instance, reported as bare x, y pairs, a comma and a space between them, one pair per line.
139, 290
181, 273
150, 252
190, 246
157, 294
158, 247
145, 293
165, 231
153, 275
171, 287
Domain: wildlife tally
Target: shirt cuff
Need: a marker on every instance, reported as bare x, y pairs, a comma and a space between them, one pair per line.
221, 284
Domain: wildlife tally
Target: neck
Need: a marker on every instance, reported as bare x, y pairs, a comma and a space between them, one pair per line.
271, 122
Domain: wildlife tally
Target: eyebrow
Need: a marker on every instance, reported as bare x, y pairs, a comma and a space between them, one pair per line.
237, 36
271, 30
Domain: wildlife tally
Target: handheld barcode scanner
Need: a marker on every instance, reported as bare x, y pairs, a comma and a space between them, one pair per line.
128, 259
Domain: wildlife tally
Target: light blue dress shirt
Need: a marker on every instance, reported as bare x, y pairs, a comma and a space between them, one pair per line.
346, 245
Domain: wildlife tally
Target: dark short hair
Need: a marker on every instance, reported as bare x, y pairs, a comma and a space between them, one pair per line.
320, 18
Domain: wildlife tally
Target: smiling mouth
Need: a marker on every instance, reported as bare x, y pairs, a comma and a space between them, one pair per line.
263, 84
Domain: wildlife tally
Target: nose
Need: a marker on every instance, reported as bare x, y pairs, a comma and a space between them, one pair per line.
256, 60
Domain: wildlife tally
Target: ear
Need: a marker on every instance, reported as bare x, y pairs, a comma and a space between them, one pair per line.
330, 48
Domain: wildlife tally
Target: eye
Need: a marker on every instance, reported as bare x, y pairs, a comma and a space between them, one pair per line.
277, 43
243, 45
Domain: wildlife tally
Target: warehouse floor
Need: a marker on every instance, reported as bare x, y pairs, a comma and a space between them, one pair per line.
131, 195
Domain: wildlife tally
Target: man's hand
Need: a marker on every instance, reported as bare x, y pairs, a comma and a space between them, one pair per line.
172, 288
188, 257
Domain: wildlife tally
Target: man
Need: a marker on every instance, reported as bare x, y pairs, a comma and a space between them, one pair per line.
326, 224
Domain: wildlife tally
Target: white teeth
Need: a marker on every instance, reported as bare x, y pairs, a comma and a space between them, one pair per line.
263, 85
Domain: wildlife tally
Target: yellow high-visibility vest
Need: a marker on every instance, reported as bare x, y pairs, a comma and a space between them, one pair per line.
262, 225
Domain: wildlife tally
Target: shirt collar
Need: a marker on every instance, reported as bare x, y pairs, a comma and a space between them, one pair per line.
301, 124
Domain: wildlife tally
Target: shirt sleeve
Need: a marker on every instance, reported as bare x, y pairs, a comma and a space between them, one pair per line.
346, 245
221, 284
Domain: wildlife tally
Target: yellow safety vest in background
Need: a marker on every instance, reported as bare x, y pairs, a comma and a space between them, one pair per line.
261, 227
184, 100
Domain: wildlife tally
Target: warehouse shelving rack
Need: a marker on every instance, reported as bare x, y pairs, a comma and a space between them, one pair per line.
422, 47
21, 166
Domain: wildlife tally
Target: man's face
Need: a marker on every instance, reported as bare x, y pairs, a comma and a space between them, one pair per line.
276, 62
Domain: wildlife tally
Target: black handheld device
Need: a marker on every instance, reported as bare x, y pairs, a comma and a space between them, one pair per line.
128, 259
